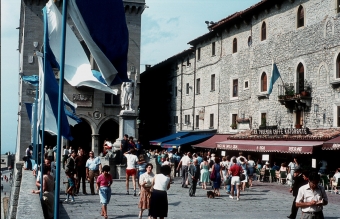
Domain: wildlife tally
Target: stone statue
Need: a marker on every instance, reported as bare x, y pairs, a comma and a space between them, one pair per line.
127, 93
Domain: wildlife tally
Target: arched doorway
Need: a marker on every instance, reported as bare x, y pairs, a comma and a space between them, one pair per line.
82, 136
109, 130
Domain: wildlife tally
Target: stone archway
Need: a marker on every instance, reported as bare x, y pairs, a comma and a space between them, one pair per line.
108, 130
82, 135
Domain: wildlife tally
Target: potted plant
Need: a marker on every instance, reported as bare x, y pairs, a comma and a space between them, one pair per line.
298, 126
233, 126
306, 89
289, 90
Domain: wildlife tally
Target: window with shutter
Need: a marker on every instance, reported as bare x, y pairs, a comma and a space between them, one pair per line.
211, 120
338, 66
198, 86
234, 45
212, 82
263, 31
213, 48
235, 87
263, 82
197, 121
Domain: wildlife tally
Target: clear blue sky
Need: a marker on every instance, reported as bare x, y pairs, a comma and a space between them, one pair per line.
167, 27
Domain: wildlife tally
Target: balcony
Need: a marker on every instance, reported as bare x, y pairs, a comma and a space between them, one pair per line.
295, 99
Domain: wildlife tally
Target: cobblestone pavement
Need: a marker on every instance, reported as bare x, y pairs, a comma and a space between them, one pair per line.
264, 200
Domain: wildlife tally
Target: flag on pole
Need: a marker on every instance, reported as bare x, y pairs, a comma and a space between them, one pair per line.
51, 104
32, 79
103, 27
77, 66
29, 107
275, 76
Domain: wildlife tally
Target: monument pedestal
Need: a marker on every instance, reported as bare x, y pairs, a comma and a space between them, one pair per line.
127, 125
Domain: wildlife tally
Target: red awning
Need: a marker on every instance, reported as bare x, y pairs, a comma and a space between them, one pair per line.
295, 147
333, 144
211, 142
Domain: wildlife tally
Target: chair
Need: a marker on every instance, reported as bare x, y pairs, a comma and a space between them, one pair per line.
266, 175
272, 176
283, 177
337, 186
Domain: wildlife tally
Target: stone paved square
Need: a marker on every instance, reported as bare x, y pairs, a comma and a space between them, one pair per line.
264, 200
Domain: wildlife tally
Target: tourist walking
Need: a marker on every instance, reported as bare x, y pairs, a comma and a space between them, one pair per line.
80, 163
71, 187
103, 186
298, 181
65, 155
251, 170
311, 198
218, 173
145, 181
184, 163
235, 171
70, 164
50, 153
204, 172
123, 149
243, 164
159, 197
131, 169
48, 192
193, 176
292, 166
93, 167
141, 164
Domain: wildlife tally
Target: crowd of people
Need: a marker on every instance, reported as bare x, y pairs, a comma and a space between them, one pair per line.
205, 170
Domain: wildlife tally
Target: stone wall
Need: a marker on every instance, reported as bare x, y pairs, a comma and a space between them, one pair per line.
316, 45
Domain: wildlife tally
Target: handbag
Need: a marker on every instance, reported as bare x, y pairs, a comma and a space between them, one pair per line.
212, 175
242, 177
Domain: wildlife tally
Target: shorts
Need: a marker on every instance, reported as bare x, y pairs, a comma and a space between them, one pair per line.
235, 180
130, 172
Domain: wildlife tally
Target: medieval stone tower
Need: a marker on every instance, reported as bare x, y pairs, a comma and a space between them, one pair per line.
98, 110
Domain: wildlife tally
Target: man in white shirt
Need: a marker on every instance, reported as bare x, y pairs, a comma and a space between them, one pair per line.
335, 180
131, 169
311, 198
184, 163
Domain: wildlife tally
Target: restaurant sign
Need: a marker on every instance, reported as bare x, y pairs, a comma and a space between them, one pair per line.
284, 131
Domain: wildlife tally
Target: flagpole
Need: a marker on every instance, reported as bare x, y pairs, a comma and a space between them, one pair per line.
60, 108
35, 145
43, 109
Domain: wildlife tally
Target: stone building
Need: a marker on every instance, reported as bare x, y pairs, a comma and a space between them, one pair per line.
222, 81
99, 111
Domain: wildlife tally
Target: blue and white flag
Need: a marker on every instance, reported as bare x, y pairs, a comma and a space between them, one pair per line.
275, 76
50, 116
77, 66
33, 80
102, 25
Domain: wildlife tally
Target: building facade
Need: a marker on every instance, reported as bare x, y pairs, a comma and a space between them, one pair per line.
98, 110
222, 81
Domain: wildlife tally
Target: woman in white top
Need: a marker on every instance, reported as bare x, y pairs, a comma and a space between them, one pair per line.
145, 181
159, 197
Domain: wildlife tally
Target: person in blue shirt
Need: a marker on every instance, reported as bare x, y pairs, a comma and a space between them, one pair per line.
275, 167
177, 159
139, 148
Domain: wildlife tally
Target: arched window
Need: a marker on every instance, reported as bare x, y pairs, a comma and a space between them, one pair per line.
300, 17
234, 45
263, 31
300, 78
263, 82
338, 67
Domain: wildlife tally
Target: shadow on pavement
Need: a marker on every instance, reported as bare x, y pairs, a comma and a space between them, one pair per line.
175, 203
